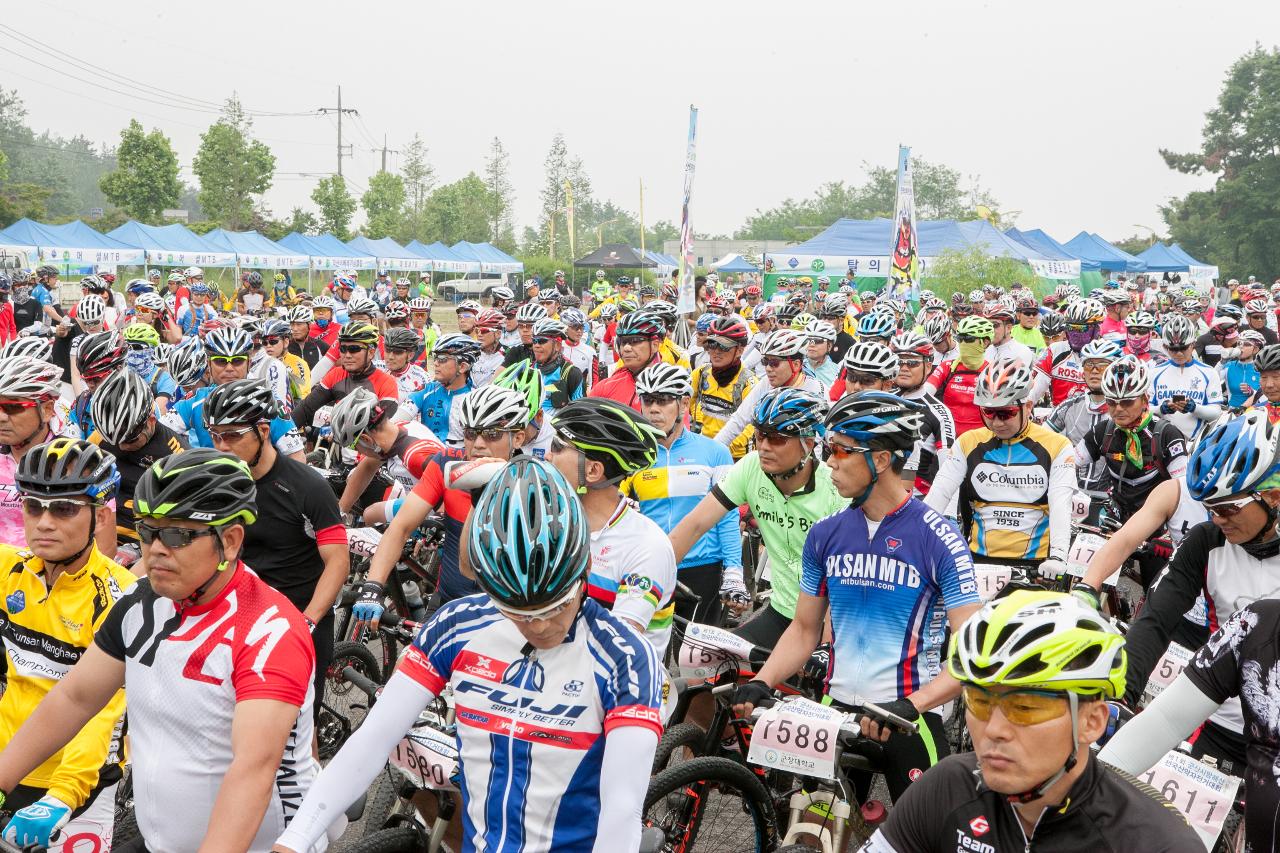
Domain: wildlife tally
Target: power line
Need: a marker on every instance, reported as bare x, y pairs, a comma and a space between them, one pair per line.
339, 112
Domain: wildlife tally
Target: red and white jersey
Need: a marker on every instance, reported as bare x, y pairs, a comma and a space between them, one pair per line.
1059, 371
185, 670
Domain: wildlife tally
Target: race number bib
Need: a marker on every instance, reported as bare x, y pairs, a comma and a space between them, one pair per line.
991, 579
1082, 550
798, 736
427, 758
1171, 665
1079, 506
705, 650
363, 541
1200, 792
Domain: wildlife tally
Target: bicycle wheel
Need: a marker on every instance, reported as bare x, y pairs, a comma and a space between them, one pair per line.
681, 742
344, 706
710, 804
405, 838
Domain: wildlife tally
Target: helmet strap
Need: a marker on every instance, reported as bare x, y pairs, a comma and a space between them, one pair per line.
1073, 700
194, 598
875, 477
93, 529
1267, 543
796, 469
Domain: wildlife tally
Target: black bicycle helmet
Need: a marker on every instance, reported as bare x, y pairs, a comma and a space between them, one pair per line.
243, 401
188, 363
610, 433
400, 339
253, 279
1052, 323
100, 353
1268, 358
462, 347
121, 405
197, 485
639, 323
529, 542
66, 467
878, 420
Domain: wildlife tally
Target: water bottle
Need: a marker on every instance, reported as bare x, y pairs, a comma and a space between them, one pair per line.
413, 596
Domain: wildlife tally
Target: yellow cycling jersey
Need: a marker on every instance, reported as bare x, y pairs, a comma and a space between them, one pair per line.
299, 375
712, 404
45, 632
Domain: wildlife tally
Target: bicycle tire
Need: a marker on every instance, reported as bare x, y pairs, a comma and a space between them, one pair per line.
405, 838
1231, 839
384, 795
727, 777
677, 737
344, 701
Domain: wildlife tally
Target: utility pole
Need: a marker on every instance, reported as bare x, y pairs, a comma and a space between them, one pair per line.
386, 151
343, 150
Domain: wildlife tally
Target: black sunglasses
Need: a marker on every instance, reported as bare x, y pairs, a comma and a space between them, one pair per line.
172, 537
351, 349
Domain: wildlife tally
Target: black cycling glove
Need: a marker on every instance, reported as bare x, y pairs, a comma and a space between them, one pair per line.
752, 693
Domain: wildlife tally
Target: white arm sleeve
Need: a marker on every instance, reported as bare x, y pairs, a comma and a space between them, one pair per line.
1165, 723
361, 758
1040, 387
1062, 486
947, 481
624, 779
742, 415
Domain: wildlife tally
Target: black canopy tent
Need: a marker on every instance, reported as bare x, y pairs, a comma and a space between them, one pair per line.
612, 256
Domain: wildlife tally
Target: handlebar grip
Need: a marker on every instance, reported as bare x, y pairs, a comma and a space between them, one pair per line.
351, 676
884, 717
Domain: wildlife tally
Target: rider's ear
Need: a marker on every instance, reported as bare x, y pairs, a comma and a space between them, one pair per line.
1271, 496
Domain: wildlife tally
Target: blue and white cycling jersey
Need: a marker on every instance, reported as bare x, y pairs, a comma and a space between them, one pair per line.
1196, 382
532, 722
190, 412
435, 409
889, 591
190, 316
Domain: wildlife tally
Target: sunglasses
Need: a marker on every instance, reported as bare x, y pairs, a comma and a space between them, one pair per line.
524, 325
17, 407
558, 445
910, 362
632, 340
1020, 707
843, 451
273, 340
1031, 312
61, 508
1081, 327
774, 439
860, 378
489, 435
137, 345
352, 349
172, 537
773, 361
1124, 403
658, 399
968, 339
1172, 348
1001, 414
544, 339
718, 346
226, 436
1229, 509
227, 359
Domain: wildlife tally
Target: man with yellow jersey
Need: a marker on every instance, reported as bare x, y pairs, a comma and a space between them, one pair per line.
719, 388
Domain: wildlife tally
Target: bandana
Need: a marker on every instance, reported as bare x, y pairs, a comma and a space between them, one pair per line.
1077, 340
1132, 446
141, 362
1138, 344
972, 353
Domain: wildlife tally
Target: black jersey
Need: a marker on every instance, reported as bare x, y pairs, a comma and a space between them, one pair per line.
131, 464
1162, 449
948, 809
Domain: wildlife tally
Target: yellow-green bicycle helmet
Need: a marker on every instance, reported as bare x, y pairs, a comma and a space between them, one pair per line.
976, 327
141, 333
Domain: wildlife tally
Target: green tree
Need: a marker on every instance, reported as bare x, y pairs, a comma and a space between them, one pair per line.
384, 205
462, 210
497, 179
302, 221
419, 179
956, 271
232, 168
146, 180
1235, 223
336, 206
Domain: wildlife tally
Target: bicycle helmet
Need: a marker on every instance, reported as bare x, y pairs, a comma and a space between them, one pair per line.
530, 542
878, 420
25, 378
272, 328
1178, 332
153, 302
791, 412
912, 342
531, 312
488, 320
199, 484
801, 321
763, 311
121, 406
1268, 358
626, 306
227, 342
550, 327
610, 433
1101, 348
501, 294
187, 364
324, 301
33, 347
937, 328
494, 407
1052, 324
1139, 322
876, 324
1114, 297
553, 295
573, 318
141, 334
397, 310
784, 343
1190, 305
639, 323
727, 330
999, 311
362, 305
976, 327
100, 353
468, 305
1005, 383
524, 378
253, 279
461, 347
977, 297
608, 311
665, 312
1125, 379
1254, 306
419, 305
46, 271
66, 467
871, 357
1253, 336
1229, 310
664, 379
91, 310
820, 330
354, 414
243, 401
1236, 457
835, 305
1083, 312
400, 340
173, 278
359, 333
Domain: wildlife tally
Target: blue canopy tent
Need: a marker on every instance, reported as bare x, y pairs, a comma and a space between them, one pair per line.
492, 259
255, 251
443, 259
329, 253
666, 264
390, 254
1173, 258
735, 264
173, 246
1042, 244
71, 244
1110, 259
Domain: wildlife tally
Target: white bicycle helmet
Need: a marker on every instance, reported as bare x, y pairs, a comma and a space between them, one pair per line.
468, 305
150, 301
324, 302
530, 312
820, 330
188, 363
1005, 383
1101, 348
33, 346
937, 328
549, 327
493, 407
22, 377
664, 379
1125, 379
1139, 320
121, 406
300, 314
1084, 311
1256, 306
419, 303
362, 305
501, 294
784, 343
1178, 331
870, 357
91, 310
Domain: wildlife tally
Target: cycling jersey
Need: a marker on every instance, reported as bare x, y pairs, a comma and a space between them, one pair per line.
299, 376
582, 356
12, 530
132, 464
889, 585
190, 316
676, 483
633, 572
740, 420
337, 383
46, 631
949, 810
1011, 349
486, 367
784, 520
325, 336
273, 372
185, 671
1032, 337
308, 351
954, 384
190, 414
714, 402
435, 405
1161, 454
935, 439
1074, 418
562, 384
1060, 371
532, 723
409, 381
457, 506
1241, 379
409, 454
825, 373
619, 387
1014, 496
1198, 384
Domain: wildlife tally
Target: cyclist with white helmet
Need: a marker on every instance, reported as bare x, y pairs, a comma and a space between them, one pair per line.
420, 321
938, 429
399, 347
782, 357
1117, 305
1003, 344
953, 382
1261, 318
939, 332
275, 345
197, 309
526, 316
820, 341
1267, 362
324, 325
1077, 415
578, 348
1036, 669
835, 311
1183, 389
488, 332
434, 405
1059, 370
29, 391
1240, 378
868, 365
1014, 478
1140, 340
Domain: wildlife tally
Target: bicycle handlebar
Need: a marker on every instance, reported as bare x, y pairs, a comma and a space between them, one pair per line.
863, 709
351, 676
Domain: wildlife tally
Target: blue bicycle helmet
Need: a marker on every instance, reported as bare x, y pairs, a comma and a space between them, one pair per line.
529, 542
704, 322
228, 341
790, 411
1101, 348
876, 325
1236, 457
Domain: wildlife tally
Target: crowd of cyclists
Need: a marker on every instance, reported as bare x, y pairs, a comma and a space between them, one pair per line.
822, 471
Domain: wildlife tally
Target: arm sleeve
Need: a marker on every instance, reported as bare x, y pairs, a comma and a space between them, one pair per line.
353, 769
1211, 408
624, 779
647, 585
731, 491
1175, 454
1062, 485
947, 481
729, 540
1164, 724
1171, 595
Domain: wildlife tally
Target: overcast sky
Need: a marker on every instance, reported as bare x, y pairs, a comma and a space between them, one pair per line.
1058, 108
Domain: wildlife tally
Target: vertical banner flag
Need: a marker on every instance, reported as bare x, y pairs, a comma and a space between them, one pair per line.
686, 303
568, 202
904, 261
